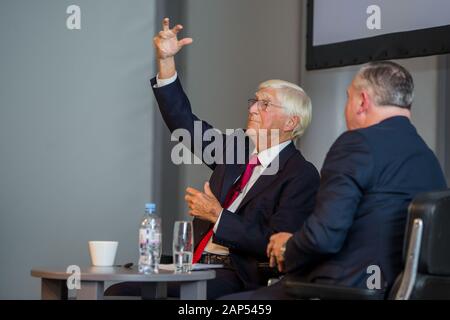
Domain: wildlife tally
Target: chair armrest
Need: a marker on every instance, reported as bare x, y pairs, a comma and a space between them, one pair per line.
306, 290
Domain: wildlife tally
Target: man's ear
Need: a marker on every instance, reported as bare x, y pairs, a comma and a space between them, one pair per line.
291, 123
365, 102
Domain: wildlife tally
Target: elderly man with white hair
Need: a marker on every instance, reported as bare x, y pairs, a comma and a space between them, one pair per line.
244, 203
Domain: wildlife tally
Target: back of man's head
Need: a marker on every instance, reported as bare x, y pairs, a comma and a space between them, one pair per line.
390, 84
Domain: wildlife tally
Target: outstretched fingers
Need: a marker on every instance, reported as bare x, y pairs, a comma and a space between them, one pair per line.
165, 24
185, 41
177, 28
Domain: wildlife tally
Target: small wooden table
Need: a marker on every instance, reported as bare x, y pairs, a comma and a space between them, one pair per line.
92, 280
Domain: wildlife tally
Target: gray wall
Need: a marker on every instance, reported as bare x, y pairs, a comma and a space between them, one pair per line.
75, 133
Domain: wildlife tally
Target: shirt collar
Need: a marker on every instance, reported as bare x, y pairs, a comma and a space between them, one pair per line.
267, 156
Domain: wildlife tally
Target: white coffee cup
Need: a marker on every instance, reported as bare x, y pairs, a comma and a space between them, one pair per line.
103, 253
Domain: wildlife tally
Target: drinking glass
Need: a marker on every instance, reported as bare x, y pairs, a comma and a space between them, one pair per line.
183, 246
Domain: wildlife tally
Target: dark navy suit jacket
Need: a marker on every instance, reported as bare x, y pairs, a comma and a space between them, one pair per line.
275, 203
367, 182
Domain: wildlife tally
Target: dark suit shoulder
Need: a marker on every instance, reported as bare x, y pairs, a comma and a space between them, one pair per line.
349, 141
297, 165
350, 155
395, 132
352, 136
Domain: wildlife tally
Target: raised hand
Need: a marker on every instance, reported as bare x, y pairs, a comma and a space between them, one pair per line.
166, 42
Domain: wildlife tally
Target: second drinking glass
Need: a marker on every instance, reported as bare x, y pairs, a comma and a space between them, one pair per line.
183, 246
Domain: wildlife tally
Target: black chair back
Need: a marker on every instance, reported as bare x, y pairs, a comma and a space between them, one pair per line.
426, 253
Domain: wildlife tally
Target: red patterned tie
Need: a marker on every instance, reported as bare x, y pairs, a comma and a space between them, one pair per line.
234, 192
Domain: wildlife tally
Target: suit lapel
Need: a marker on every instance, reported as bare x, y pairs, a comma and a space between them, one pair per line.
232, 172
200, 229
265, 181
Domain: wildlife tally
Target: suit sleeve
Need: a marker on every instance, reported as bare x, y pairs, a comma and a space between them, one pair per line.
345, 174
295, 204
177, 113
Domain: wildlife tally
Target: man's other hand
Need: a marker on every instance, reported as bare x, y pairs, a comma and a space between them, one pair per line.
203, 205
276, 248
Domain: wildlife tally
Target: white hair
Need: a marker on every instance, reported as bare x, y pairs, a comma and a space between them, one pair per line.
295, 102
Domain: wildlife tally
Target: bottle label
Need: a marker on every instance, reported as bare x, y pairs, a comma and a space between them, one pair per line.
149, 236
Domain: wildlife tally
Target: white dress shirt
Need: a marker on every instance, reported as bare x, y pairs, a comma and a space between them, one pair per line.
265, 158
164, 82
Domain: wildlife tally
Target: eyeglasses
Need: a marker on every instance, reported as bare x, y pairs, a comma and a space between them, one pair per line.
262, 104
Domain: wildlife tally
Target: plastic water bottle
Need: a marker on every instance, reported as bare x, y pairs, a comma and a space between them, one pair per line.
150, 240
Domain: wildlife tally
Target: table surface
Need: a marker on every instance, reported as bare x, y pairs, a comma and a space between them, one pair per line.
122, 274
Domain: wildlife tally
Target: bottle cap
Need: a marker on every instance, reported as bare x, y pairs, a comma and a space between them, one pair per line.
150, 206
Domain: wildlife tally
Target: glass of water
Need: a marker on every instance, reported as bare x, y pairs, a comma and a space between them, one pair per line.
183, 246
